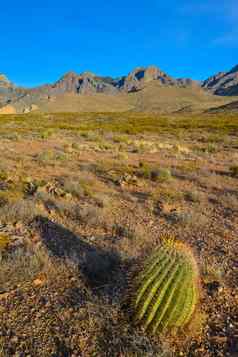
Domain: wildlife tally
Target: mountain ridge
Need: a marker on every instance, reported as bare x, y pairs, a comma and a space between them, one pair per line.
223, 83
137, 75
83, 85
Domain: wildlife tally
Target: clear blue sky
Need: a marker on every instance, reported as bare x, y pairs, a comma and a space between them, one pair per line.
40, 40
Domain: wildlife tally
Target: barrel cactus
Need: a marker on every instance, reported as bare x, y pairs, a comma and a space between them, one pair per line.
167, 289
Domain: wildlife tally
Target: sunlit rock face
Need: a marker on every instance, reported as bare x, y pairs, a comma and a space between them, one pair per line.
223, 83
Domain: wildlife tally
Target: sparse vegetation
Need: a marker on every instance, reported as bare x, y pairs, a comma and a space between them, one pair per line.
20, 211
234, 170
153, 173
84, 198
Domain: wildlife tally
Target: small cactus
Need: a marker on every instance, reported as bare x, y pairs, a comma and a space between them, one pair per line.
167, 289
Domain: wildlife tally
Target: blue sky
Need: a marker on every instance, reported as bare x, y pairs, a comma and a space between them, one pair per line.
41, 40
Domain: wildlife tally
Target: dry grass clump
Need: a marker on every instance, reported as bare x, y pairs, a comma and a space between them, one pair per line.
143, 146
23, 210
91, 215
168, 194
12, 136
193, 219
91, 136
119, 139
3, 199
229, 202
83, 185
46, 134
112, 170
122, 156
129, 230
60, 206
234, 170
211, 148
45, 156
76, 187
4, 241
192, 196
21, 265
152, 173
51, 156
3, 175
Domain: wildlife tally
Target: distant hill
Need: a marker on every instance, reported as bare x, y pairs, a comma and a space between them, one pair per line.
170, 99
9, 92
143, 89
223, 83
88, 83
230, 107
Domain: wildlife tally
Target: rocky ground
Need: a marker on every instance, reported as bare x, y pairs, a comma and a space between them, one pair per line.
80, 209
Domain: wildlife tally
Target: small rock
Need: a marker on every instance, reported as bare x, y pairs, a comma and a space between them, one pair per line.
38, 282
4, 296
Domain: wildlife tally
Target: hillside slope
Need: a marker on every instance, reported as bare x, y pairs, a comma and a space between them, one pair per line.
153, 98
230, 107
223, 83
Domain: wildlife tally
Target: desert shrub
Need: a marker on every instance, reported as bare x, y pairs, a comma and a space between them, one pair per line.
75, 146
161, 175
60, 156
30, 187
3, 201
50, 156
234, 170
13, 136
194, 219
103, 200
91, 136
121, 139
46, 134
3, 175
20, 265
124, 231
91, 215
211, 148
21, 211
229, 201
68, 148
192, 196
177, 217
167, 194
4, 241
122, 156
45, 156
74, 187
153, 173
144, 170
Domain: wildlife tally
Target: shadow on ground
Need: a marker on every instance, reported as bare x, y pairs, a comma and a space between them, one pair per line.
100, 268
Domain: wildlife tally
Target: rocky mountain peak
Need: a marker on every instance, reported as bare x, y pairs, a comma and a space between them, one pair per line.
69, 75
3, 78
223, 83
137, 79
4, 81
88, 74
234, 69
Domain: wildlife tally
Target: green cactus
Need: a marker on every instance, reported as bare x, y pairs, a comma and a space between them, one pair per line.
167, 289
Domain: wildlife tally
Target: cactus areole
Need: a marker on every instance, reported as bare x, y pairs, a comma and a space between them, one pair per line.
167, 289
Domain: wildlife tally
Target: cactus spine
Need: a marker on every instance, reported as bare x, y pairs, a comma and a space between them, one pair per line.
167, 289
